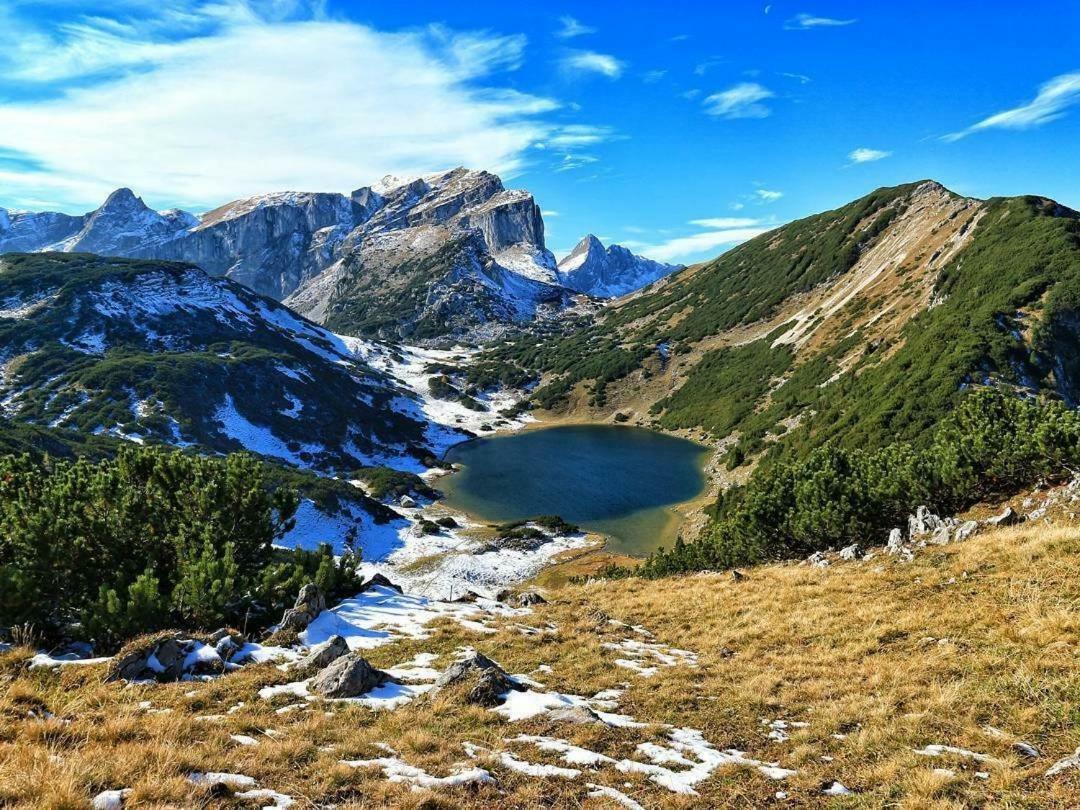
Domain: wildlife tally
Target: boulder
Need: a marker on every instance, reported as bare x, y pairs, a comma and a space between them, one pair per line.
738, 576
406, 502
965, 530
895, 543
348, 676
940, 536
491, 681
1007, 518
1026, 750
309, 603
926, 522
1065, 764
852, 552
818, 559
321, 655
530, 598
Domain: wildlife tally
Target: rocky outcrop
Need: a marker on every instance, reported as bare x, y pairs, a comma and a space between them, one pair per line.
309, 603
164, 657
609, 272
348, 676
489, 682
322, 655
447, 253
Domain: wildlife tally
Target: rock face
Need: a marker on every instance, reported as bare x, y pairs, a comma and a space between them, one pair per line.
348, 676
453, 253
609, 272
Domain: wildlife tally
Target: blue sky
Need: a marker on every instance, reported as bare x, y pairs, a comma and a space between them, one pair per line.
676, 128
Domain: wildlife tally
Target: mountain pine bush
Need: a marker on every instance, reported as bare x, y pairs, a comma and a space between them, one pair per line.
146, 540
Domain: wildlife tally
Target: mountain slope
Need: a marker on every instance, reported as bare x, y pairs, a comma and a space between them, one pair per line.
156, 351
447, 253
865, 323
609, 272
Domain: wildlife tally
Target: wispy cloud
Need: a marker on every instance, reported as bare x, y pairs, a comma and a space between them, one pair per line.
765, 195
741, 101
719, 223
653, 76
1050, 103
252, 103
592, 62
864, 155
805, 21
571, 27
573, 136
574, 161
548, 214
799, 77
719, 232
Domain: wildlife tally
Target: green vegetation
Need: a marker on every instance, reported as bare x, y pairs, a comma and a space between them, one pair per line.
991, 446
146, 540
159, 351
383, 483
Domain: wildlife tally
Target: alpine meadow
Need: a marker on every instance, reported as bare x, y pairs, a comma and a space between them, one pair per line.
581, 405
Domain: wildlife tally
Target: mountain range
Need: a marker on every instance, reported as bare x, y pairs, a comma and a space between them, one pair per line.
449, 255
864, 325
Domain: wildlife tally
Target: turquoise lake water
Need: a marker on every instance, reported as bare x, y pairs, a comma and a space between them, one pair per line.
619, 481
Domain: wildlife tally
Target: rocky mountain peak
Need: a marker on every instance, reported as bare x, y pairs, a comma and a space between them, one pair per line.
608, 272
123, 199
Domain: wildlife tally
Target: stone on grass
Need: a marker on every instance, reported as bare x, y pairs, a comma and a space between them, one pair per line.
530, 598
1026, 750
852, 552
965, 530
322, 655
348, 676
491, 681
578, 715
1007, 518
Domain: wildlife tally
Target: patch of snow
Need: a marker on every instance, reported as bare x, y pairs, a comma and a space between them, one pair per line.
232, 780
617, 796
395, 770
936, 750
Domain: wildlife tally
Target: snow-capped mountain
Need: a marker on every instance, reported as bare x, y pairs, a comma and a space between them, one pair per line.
147, 350
446, 253
609, 272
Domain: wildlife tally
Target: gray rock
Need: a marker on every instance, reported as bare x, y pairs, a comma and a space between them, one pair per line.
321, 655
1065, 764
1026, 750
348, 676
738, 576
852, 552
923, 522
309, 603
940, 536
407, 502
491, 681
579, 715
896, 539
530, 598
818, 559
965, 530
1007, 518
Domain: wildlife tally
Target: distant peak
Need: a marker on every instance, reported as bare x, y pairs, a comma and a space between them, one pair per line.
123, 198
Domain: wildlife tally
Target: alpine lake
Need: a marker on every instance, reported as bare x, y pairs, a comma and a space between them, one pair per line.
622, 482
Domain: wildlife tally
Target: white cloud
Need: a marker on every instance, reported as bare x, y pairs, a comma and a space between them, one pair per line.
572, 28
804, 22
864, 155
549, 214
724, 222
570, 162
765, 195
593, 62
251, 105
572, 136
741, 101
721, 232
653, 76
1049, 104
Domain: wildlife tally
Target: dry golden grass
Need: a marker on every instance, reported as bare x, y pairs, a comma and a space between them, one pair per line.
894, 656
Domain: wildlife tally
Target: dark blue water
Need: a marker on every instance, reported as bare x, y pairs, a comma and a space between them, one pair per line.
620, 481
